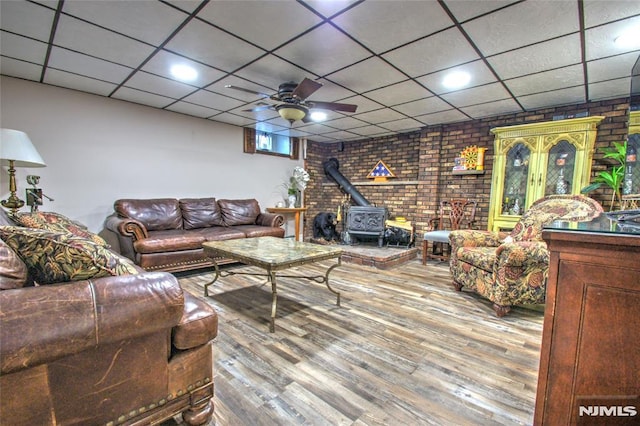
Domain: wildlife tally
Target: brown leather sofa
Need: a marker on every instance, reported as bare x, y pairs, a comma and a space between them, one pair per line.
167, 233
130, 349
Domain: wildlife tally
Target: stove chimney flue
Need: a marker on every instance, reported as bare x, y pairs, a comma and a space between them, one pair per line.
331, 167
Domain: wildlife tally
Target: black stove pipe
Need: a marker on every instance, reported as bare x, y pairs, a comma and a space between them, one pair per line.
331, 170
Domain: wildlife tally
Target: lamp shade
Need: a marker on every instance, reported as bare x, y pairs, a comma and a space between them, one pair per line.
291, 112
17, 147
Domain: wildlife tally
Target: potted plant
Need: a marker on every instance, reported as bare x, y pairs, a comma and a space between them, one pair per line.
614, 177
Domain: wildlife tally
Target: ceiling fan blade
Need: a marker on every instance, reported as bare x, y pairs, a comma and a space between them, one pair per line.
305, 89
333, 106
242, 89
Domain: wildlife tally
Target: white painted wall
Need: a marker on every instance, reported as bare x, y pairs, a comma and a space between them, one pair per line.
99, 149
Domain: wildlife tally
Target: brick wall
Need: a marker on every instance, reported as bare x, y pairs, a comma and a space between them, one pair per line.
423, 161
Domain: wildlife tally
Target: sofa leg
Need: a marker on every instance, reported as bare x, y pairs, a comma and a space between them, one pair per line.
199, 415
501, 310
457, 286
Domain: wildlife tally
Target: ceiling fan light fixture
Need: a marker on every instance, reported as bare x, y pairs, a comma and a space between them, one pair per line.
291, 112
456, 79
318, 116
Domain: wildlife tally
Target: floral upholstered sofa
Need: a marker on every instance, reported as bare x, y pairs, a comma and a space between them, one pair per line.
511, 268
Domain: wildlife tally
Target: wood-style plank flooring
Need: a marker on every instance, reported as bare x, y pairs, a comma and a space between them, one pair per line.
403, 349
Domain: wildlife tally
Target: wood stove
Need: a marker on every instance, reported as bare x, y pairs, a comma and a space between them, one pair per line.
363, 220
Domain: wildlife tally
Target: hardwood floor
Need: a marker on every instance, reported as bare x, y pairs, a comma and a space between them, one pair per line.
404, 348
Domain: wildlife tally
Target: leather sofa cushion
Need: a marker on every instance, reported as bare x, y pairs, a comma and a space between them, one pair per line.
252, 231
198, 325
155, 214
220, 233
13, 271
169, 240
200, 213
239, 212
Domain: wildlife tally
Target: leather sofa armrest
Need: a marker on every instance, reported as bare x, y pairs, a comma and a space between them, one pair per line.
127, 231
273, 220
41, 324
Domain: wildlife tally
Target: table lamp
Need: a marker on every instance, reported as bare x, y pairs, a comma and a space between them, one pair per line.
16, 150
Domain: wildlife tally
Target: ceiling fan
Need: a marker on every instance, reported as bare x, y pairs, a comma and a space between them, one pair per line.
293, 104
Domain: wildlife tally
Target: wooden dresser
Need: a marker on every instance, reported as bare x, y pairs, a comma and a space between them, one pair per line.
590, 354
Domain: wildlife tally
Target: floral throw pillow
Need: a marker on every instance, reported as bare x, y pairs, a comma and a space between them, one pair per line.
53, 257
57, 223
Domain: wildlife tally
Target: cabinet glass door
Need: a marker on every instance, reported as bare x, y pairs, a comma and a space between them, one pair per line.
560, 169
515, 179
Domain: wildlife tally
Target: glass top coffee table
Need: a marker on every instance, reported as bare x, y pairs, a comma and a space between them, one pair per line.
273, 254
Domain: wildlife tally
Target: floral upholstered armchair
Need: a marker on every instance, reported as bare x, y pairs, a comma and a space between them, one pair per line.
511, 268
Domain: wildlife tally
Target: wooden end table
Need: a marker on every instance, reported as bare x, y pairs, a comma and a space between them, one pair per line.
272, 254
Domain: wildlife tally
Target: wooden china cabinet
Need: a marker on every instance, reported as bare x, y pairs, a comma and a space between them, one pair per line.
538, 159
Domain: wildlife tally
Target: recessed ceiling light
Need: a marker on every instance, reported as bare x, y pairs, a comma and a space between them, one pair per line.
629, 39
318, 116
456, 80
184, 72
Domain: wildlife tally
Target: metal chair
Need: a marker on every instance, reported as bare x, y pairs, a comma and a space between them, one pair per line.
452, 215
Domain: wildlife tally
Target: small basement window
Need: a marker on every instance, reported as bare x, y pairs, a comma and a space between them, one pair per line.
256, 142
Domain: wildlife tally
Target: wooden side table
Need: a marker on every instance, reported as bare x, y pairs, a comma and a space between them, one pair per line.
296, 212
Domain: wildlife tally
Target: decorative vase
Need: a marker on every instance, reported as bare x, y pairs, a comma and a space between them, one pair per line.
292, 201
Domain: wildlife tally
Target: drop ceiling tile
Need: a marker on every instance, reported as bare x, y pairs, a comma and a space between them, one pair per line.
480, 74
159, 85
219, 87
342, 134
91, 40
293, 133
27, 19
329, 8
321, 139
25, 49
369, 130
161, 63
367, 75
417, 18
522, 24
316, 128
560, 52
271, 71
620, 87
426, 55
549, 80
192, 109
21, 69
213, 100
468, 9
504, 106
151, 22
78, 82
266, 114
186, 5
401, 125
323, 51
266, 23
422, 106
599, 41
67, 60
597, 12
611, 68
236, 120
345, 123
399, 93
330, 92
380, 116
364, 104
143, 98
574, 95
204, 43
449, 116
